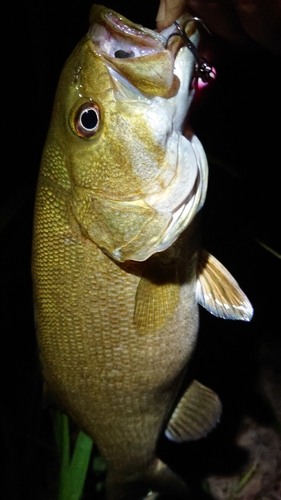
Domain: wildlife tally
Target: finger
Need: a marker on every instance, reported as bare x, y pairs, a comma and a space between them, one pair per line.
168, 12
261, 20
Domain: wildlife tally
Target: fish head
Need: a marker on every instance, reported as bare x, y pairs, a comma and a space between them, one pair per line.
136, 182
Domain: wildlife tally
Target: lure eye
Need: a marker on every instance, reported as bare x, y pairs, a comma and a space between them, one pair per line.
87, 120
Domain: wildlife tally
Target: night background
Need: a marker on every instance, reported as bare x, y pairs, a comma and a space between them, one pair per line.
238, 122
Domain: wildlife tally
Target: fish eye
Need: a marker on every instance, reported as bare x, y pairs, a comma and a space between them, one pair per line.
87, 120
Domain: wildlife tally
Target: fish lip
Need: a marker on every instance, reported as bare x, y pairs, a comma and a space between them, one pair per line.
119, 42
121, 25
150, 40
122, 29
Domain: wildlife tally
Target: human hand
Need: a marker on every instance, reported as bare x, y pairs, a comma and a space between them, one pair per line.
237, 21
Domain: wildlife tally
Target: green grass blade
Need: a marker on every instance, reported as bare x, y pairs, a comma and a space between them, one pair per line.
64, 448
268, 248
242, 483
61, 429
79, 466
73, 469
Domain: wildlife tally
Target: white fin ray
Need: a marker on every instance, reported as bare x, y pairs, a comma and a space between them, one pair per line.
196, 414
218, 292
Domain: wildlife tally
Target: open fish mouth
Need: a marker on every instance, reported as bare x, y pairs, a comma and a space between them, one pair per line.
118, 37
149, 219
119, 40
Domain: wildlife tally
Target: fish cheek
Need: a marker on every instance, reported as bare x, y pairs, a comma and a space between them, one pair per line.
98, 158
109, 224
112, 148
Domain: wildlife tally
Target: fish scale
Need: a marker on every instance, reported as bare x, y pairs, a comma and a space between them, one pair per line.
117, 265
70, 353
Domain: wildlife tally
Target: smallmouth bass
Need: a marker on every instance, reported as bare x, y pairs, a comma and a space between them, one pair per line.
117, 265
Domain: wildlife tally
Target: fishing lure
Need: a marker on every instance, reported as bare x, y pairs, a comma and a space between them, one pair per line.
203, 69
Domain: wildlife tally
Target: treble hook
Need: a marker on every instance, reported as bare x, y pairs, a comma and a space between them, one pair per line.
202, 68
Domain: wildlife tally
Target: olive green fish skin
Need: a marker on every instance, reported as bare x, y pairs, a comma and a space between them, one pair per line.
116, 384
115, 335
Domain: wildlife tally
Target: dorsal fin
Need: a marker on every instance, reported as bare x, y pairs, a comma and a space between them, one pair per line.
197, 412
218, 292
156, 298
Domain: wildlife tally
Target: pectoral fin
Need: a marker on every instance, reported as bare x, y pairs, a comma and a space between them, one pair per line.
218, 292
197, 412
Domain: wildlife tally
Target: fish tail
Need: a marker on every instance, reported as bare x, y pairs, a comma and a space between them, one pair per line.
159, 482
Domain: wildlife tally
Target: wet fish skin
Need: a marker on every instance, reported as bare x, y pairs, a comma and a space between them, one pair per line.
116, 252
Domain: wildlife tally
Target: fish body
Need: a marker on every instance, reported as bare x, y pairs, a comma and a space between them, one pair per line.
117, 265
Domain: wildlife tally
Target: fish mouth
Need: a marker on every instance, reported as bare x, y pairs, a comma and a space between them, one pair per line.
134, 51
127, 38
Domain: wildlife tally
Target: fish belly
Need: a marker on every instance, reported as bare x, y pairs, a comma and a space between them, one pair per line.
116, 384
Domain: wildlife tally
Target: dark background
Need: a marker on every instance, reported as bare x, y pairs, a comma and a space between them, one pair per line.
238, 122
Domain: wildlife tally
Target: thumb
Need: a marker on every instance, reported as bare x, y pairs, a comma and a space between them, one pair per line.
168, 12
